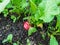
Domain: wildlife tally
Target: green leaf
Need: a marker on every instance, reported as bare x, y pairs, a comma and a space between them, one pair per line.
16, 3
32, 19
25, 18
33, 6
53, 41
9, 5
31, 30
24, 4
37, 15
16, 6
15, 44
13, 18
57, 1
3, 5
0, 0
5, 12
48, 9
5, 40
9, 38
58, 22
28, 42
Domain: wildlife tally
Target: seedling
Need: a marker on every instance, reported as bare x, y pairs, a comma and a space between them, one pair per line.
15, 44
28, 42
53, 40
13, 18
31, 31
5, 12
8, 39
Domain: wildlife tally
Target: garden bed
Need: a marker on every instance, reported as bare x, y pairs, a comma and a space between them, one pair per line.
19, 33
29, 22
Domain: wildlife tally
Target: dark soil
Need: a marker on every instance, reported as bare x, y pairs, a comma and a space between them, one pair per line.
8, 27
20, 34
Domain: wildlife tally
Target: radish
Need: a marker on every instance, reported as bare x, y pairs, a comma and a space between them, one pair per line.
26, 25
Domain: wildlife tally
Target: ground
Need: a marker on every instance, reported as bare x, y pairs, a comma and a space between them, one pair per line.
20, 34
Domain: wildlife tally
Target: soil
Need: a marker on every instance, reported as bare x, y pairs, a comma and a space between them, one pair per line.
20, 34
